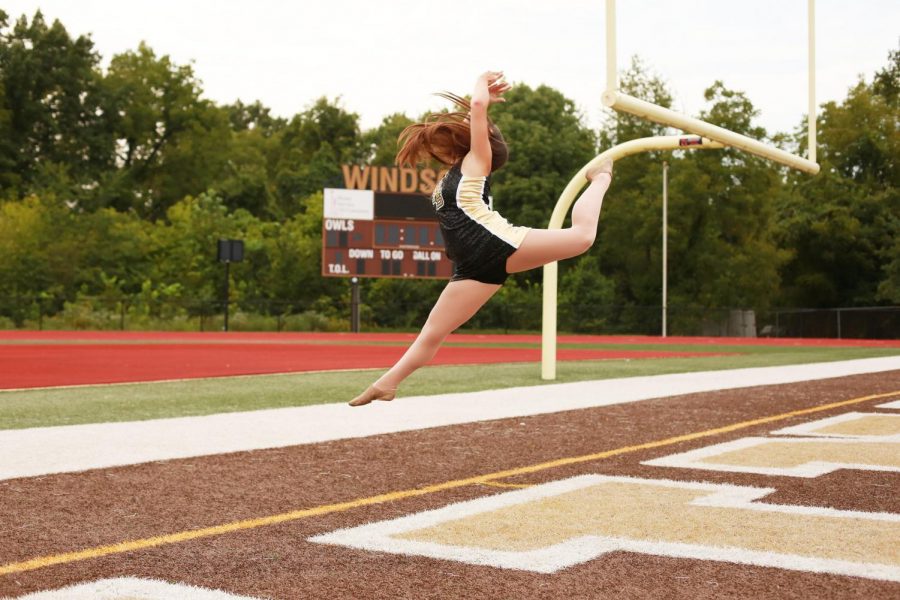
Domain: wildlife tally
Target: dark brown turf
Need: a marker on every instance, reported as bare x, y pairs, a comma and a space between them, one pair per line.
54, 514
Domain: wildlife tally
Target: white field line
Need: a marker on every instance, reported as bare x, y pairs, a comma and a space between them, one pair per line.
813, 428
46, 450
125, 588
705, 457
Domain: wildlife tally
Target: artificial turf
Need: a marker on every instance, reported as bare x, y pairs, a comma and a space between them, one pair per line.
152, 400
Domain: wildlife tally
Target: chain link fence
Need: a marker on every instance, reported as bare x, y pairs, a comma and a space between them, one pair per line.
126, 313
853, 323
140, 313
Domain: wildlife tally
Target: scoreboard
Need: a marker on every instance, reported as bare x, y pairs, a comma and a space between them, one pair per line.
366, 233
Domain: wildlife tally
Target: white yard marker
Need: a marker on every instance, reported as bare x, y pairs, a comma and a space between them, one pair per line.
556, 525
131, 588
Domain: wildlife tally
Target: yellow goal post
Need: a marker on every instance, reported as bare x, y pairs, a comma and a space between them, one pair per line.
705, 136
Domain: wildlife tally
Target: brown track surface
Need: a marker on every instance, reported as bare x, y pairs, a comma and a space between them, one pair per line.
54, 514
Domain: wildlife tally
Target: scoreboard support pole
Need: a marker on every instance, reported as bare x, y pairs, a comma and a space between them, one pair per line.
354, 304
227, 293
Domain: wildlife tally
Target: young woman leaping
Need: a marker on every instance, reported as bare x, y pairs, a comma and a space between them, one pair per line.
484, 247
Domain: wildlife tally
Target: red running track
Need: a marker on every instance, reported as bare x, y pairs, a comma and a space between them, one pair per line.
295, 337
31, 359
47, 365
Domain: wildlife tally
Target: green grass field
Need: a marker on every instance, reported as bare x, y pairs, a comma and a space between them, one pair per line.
130, 402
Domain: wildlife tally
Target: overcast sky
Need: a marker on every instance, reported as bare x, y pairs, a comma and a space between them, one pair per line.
388, 56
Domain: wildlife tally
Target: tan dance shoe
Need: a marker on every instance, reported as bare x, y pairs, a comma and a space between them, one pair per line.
373, 393
604, 167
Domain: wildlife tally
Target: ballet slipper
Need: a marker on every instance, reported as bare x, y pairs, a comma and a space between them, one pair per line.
604, 167
373, 393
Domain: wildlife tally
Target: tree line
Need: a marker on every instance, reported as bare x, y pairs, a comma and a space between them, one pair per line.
116, 182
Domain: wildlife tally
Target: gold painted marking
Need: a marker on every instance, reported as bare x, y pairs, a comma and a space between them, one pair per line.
667, 513
784, 454
867, 425
184, 536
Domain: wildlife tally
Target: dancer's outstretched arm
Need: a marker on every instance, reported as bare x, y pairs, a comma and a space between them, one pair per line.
489, 89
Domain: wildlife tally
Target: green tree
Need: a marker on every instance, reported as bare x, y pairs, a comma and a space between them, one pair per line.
185, 244
841, 226
311, 150
245, 182
886, 82
27, 227
51, 253
889, 288
51, 108
170, 142
584, 294
254, 117
629, 231
379, 145
294, 249
721, 218
729, 252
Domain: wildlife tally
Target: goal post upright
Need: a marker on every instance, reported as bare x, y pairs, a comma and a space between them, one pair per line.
811, 71
712, 137
567, 198
618, 101
612, 74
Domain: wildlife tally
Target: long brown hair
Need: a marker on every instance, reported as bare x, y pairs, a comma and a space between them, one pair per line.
445, 137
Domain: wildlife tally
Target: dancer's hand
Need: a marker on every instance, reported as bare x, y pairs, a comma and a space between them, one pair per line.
496, 87
490, 77
604, 167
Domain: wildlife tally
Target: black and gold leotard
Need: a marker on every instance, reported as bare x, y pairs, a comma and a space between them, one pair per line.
478, 239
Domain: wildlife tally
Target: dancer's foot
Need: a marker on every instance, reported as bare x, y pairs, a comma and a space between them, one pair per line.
603, 167
373, 393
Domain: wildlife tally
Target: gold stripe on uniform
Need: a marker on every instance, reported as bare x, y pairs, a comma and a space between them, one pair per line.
469, 198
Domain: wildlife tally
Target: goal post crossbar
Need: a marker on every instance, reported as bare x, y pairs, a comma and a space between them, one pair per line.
646, 110
616, 100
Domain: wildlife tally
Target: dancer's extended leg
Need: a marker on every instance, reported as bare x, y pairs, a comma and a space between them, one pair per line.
542, 246
456, 305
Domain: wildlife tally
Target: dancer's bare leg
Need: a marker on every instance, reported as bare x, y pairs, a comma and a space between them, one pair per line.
456, 305
542, 246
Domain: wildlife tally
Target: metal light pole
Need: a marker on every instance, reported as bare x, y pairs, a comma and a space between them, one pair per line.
665, 242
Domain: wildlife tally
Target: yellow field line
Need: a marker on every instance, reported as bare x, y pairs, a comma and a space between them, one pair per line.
500, 484
183, 536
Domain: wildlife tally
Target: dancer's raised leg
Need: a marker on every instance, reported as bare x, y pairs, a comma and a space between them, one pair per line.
542, 246
456, 305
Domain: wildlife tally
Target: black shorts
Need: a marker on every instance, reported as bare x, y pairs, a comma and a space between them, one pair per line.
490, 271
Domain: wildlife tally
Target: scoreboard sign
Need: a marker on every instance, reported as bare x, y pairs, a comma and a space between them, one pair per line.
369, 233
